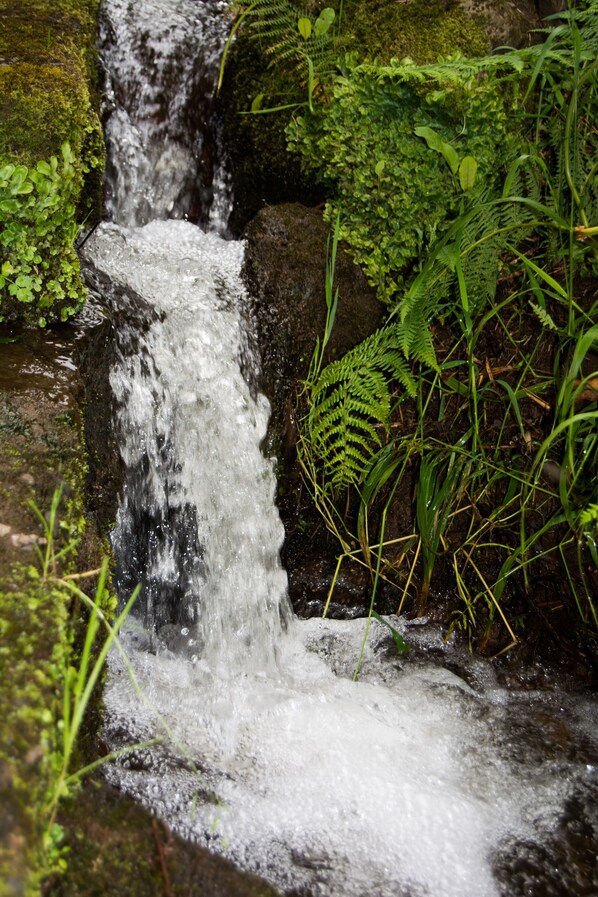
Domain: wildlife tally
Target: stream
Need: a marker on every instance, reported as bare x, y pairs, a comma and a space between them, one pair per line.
424, 778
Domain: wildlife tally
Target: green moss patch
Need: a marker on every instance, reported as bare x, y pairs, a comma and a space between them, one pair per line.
424, 30
32, 649
40, 449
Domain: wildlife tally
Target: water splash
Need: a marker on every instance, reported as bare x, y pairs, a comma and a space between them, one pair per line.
190, 435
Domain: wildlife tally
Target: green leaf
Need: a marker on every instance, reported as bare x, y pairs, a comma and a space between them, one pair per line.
400, 643
43, 168
380, 167
9, 205
324, 21
467, 173
67, 153
6, 172
257, 102
435, 142
304, 27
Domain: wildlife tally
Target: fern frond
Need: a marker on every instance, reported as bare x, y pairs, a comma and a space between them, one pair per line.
543, 316
351, 407
274, 24
477, 239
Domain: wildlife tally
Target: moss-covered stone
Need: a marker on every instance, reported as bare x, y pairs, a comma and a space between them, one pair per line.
47, 67
424, 30
48, 99
40, 449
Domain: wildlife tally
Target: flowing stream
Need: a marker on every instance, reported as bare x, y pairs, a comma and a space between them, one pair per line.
425, 777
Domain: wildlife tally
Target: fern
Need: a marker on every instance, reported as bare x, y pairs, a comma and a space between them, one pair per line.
275, 24
475, 242
544, 317
351, 404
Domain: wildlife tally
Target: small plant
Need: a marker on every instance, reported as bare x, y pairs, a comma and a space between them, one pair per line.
39, 268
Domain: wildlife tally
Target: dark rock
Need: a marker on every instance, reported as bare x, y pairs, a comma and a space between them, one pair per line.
104, 473
119, 849
285, 269
285, 272
506, 23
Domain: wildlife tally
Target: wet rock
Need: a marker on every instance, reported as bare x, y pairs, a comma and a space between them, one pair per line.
95, 348
121, 850
285, 272
285, 265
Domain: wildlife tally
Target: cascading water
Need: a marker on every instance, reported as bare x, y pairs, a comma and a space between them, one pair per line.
413, 781
166, 158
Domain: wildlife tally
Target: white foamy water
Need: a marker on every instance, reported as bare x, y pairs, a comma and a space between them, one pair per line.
407, 782
410, 782
190, 434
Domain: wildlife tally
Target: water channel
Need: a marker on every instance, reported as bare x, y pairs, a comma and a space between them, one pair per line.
426, 778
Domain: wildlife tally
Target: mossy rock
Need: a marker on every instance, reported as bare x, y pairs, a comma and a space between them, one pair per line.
423, 30
40, 450
48, 100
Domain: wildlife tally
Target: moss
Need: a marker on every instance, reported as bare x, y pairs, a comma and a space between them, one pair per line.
48, 98
33, 648
40, 448
47, 65
424, 30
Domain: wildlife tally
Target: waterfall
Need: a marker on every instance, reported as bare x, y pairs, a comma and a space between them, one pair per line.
166, 158
416, 781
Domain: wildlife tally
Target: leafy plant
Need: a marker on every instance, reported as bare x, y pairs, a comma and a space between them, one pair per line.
350, 407
39, 270
382, 144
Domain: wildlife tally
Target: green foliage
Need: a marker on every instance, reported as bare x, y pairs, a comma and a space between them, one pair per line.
509, 229
40, 268
383, 144
298, 42
350, 407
